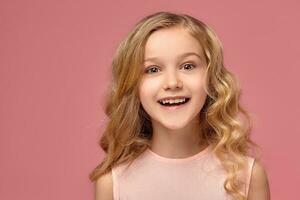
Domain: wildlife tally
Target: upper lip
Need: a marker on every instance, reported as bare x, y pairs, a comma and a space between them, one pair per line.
172, 97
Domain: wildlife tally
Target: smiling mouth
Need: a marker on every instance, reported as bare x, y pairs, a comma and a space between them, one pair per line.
174, 102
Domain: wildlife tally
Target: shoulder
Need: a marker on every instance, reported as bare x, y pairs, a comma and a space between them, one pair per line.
259, 184
104, 187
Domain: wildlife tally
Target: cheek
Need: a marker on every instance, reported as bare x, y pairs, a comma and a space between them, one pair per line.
148, 90
196, 83
197, 88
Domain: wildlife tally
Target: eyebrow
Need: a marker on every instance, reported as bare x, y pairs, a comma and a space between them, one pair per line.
181, 56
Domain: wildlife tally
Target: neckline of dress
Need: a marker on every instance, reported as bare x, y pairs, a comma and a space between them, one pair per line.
196, 156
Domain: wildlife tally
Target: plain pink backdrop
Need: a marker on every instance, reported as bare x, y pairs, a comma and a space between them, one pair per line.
55, 66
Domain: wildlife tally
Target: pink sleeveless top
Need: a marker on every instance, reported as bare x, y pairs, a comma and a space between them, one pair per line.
153, 177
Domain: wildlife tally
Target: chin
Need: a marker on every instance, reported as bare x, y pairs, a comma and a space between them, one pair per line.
171, 125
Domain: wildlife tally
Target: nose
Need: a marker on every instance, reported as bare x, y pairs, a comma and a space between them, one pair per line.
172, 81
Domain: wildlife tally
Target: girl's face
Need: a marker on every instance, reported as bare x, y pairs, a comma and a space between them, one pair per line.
172, 85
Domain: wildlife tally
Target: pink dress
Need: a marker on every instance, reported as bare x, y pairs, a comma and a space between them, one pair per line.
153, 177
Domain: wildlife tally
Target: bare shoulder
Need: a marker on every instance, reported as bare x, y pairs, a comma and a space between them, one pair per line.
104, 187
259, 184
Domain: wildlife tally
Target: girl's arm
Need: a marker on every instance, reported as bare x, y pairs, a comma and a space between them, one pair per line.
104, 187
259, 184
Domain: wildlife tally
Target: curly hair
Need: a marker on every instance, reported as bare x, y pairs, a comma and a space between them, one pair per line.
224, 123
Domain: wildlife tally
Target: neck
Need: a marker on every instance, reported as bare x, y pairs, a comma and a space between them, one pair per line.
179, 143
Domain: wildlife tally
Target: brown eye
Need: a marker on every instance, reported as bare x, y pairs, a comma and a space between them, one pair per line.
189, 66
152, 70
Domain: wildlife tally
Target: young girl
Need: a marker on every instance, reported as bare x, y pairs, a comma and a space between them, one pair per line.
176, 129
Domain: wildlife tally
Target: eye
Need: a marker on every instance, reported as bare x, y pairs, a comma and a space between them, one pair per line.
189, 66
152, 70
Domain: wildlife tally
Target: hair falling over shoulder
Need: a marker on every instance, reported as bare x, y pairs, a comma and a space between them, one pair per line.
225, 124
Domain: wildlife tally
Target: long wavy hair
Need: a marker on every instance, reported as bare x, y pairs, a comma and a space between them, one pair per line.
225, 125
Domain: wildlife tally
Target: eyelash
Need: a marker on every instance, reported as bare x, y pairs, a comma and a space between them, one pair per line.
147, 70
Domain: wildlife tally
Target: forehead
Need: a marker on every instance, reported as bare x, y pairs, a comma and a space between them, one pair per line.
171, 43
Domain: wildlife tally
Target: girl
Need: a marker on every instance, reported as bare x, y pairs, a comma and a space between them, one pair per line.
176, 128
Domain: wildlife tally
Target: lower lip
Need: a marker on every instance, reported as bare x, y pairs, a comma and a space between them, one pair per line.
174, 107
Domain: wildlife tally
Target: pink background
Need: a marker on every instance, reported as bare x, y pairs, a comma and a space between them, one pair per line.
55, 65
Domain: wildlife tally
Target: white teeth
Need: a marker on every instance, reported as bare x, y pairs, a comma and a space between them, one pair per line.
172, 101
